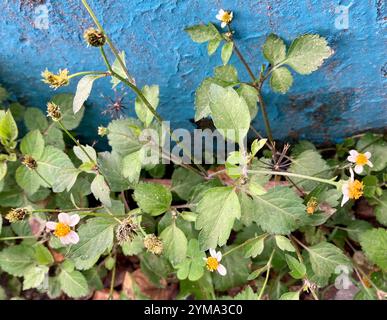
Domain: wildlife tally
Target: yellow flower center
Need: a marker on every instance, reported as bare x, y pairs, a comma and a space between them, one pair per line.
355, 189
361, 159
226, 17
212, 263
62, 230
311, 206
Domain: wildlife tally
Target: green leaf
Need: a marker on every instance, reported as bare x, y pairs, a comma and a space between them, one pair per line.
246, 294
8, 127
32, 144
202, 33
95, 236
227, 74
255, 247
193, 266
217, 211
117, 68
297, 268
284, 243
73, 283
111, 166
183, 181
213, 45
374, 244
229, 112
307, 53
69, 119
227, 52
3, 169
291, 296
309, 163
54, 137
28, 180
281, 80
257, 145
131, 166
34, 277
43, 255
16, 260
381, 208
133, 247
153, 198
356, 228
175, 244
279, 211
237, 271
34, 119
274, 49
84, 87
250, 94
202, 100
325, 257
82, 156
101, 190
151, 93
123, 136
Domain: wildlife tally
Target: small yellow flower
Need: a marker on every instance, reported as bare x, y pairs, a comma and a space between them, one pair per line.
225, 17
56, 80
311, 206
102, 131
213, 262
360, 160
352, 189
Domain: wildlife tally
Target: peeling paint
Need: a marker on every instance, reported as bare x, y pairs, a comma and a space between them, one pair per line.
347, 95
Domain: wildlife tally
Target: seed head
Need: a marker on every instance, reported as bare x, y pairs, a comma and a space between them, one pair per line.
126, 231
94, 37
53, 111
29, 162
15, 215
153, 244
56, 80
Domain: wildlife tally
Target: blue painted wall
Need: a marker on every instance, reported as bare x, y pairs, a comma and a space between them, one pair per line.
346, 96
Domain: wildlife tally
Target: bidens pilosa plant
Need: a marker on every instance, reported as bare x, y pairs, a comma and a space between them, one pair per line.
273, 222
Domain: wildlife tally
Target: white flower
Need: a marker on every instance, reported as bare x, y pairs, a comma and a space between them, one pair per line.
351, 189
213, 262
225, 17
62, 229
360, 159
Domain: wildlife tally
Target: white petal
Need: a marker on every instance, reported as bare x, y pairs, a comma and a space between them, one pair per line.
64, 218
351, 159
218, 256
358, 169
221, 269
213, 253
231, 15
50, 225
221, 12
367, 154
345, 189
64, 240
219, 17
353, 153
370, 163
345, 199
352, 174
74, 219
223, 24
73, 237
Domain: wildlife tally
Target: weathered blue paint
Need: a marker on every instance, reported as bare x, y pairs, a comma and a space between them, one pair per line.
346, 96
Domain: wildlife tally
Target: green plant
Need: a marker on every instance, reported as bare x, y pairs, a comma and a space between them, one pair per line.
277, 224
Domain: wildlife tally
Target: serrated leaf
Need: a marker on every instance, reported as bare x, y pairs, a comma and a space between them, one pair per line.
257, 145
291, 296
279, 211
73, 283
229, 112
297, 268
202, 33
151, 93
250, 94
374, 244
133, 247
95, 237
110, 165
274, 49
8, 127
193, 266
255, 247
213, 45
28, 180
217, 211
325, 258
356, 228
183, 181
82, 156
381, 208
43, 255
84, 87
34, 277
117, 68
227, 52
69, 119
17, 259
101, 190
153, 198
32, 144
307, 53
246, 294
175, 244
35, 119
131, 166
122, 136
281, 80
284, 243
227, 74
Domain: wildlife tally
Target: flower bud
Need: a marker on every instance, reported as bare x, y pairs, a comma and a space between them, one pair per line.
102, 131
153, 244
94, 37
15, 215
56, 80
53, 111
126, 231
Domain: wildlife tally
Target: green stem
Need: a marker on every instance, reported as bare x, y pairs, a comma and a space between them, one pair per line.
76, 142
67, 210
113, 280
85, 73
295, 175
244, 243
267, 275
17, 238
